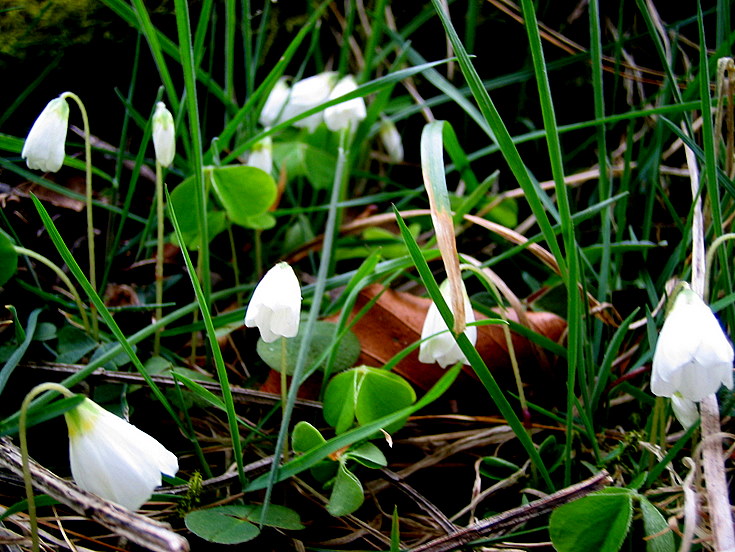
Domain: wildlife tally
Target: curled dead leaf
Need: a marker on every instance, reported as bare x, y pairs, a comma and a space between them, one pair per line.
395, 321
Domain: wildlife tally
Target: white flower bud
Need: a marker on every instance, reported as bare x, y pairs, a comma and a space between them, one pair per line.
164, 135
275, 307
345, 114
391, 140
112, 458
261, 156
443, 348
44, 147
693, 355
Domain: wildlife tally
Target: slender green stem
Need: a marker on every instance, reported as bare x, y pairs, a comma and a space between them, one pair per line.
159, 257
233, 252
88, 198
24, 452
330, 232
284, 389
258, 251
62, 276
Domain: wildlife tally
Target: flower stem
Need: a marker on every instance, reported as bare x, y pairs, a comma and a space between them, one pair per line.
62, 276
159, 257
24, 451
88, 197
284, 391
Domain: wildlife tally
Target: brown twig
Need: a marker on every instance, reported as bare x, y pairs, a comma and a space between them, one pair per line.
239, 394
514, 517
151, 534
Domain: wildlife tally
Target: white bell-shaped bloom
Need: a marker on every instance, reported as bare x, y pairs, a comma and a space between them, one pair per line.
273, 108
685, 410
261, 156
164, 135
114, 459
44, 147
442, 347
345, 114
275, 307
306, 94
693, 355
391, 140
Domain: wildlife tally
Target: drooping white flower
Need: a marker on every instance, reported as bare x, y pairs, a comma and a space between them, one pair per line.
345, 114
443, 348
272, 111
391, 140
693, 355
114, 459
275, 307
44, 147
164, 135
684, 410
306, 94
261, 156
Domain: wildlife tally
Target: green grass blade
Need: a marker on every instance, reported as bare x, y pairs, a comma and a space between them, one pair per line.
478, 364
502, 137
77, 272
219, 362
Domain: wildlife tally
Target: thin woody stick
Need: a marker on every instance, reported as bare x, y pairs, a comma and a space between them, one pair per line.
514, 517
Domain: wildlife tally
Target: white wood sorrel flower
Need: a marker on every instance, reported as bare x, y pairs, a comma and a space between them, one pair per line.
261, 156
443, 348
164, 135
348, 113
114, 459
306, 94
693, 356
273, 108
275, 307
44, 146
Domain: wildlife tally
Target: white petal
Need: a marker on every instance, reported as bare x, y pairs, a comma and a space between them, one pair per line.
272, 110
307, 94
44, 146
443, 348
693, 355
275, 306
684, 410
347, 113
114, 459
164, 135
391, 140
261, 156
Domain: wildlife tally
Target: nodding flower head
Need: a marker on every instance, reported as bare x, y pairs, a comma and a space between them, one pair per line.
114, 459
275, 307
693, 356
442, 347
44, 146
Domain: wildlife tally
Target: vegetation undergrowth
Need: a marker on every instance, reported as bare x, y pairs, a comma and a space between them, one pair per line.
380, 276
